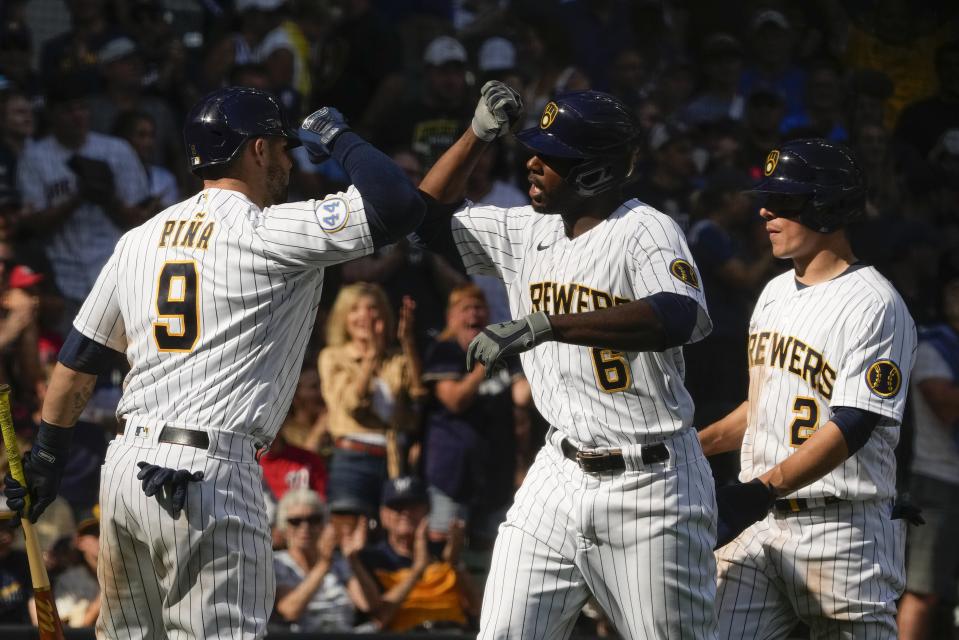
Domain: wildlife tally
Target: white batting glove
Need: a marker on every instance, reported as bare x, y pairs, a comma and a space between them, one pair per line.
498, 109
504, 339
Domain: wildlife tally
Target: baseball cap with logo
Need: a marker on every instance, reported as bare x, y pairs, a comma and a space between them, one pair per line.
443, 50
22, 276
404, 490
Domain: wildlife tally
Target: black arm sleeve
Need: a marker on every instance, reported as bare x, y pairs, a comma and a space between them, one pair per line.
677, 313
855, 424
393, 205
435, 233
82, 354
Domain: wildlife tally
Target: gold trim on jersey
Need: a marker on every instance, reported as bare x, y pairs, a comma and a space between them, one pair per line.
555, 298
611, 369
793, 355
189, 239
162, 322
806, 420
884, 378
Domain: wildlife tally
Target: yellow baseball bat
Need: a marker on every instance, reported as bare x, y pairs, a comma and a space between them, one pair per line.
48, 620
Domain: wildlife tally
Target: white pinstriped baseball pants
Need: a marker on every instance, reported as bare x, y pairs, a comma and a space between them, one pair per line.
640, 541
838, 569
207, 574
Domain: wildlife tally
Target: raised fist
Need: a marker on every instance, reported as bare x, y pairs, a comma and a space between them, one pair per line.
319, 130
498, 109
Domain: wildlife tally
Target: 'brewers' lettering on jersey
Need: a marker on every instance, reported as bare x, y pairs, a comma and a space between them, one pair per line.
555, 298
847, 342
793, 355
597, 397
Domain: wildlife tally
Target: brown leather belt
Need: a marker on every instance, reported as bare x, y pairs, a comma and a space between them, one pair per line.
362, 447
612, 459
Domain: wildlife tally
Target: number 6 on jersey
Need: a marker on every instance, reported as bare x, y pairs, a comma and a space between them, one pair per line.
178, 325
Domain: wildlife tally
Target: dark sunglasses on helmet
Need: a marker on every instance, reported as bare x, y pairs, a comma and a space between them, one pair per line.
313, 519
785, 205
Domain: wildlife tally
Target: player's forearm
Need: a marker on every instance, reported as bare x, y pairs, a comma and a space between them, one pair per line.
446, 180
67, 395
633, 326
726, 434
819, 455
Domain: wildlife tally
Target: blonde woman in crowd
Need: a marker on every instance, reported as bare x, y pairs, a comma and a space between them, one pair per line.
371, 386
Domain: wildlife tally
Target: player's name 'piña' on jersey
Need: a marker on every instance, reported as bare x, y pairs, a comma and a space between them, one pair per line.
793, 355
187, 233
555, 298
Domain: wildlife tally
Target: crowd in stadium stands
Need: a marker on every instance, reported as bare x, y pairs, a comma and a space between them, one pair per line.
395, 465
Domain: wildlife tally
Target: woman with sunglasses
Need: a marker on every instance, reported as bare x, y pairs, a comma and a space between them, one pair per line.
315, 589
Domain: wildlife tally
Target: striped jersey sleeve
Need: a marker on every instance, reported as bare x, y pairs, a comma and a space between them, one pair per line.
659, 261
100, 317
490, 239
316, 232
874, 375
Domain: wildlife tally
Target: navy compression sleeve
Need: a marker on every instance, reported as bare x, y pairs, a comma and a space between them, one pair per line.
856, 426
678, 315
82, 354
393, 205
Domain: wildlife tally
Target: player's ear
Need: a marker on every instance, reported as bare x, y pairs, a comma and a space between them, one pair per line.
260, 150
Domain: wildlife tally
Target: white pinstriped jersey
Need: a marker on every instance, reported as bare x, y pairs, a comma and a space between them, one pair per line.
848, 342
81, 247
213, 301
596, 397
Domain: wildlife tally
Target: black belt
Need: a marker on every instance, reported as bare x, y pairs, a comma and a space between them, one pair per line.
186, 437
611, 459
797, 505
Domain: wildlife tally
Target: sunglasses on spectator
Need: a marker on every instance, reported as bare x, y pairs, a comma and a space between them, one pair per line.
311, 519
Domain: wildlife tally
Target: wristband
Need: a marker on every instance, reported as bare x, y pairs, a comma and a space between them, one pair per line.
52, 444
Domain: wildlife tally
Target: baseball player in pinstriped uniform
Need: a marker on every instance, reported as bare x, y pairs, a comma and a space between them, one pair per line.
212, 302
620, 501
829, 351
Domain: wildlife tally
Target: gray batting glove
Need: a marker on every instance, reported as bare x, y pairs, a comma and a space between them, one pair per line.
499, 341
498, 109
319, 130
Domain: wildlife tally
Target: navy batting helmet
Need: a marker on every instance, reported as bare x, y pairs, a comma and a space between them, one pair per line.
588, 125
219, 124
816, 181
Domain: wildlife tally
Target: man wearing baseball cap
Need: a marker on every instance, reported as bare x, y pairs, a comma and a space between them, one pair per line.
414, 588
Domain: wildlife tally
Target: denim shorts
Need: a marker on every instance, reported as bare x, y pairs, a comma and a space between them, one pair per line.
356, 482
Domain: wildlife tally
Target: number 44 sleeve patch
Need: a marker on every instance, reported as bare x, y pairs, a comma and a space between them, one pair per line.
333, 213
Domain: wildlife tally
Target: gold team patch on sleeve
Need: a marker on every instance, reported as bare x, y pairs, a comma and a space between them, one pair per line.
549, 114
771, 161
333, 214
684, 271
884, 378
